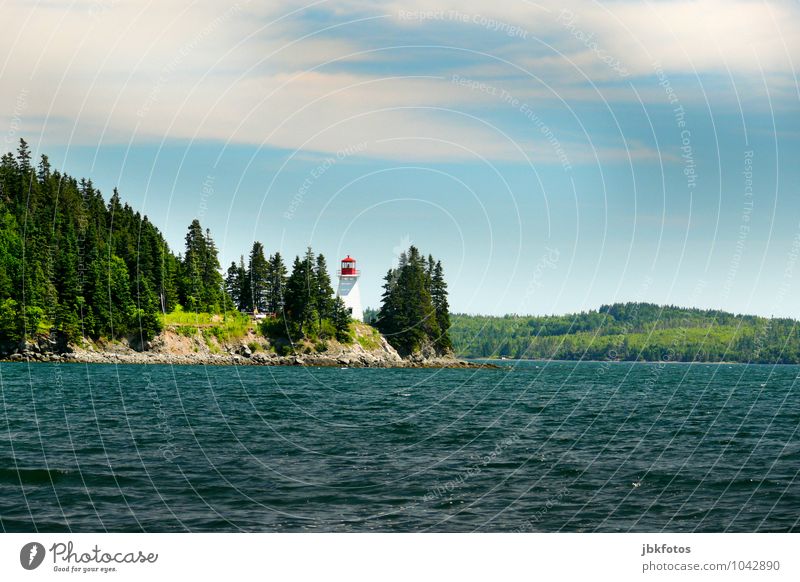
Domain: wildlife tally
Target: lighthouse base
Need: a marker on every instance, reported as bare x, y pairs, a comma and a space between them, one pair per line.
351, 296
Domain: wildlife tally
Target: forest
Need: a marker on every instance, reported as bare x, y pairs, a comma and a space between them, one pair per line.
630, 332
73, 266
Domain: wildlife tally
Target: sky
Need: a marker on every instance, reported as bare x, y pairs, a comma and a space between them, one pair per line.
556, 156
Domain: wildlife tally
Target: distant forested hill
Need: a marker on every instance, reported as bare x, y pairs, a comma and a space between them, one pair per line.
630, 331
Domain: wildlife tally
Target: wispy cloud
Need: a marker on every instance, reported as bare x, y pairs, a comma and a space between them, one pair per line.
320, 77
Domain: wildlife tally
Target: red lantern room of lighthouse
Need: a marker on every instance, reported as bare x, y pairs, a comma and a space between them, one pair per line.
348, 266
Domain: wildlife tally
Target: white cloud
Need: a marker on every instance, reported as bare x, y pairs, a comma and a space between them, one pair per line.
246, 72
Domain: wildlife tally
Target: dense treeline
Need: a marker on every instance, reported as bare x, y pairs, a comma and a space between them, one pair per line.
630, 332
73, 266
302, 304
414, 313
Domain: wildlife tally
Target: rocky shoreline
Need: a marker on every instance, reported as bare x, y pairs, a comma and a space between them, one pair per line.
169, 349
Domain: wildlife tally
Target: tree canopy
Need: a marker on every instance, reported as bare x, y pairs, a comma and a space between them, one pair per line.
414, 313
74, 265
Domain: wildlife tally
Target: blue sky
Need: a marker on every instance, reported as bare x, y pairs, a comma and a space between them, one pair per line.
555, 156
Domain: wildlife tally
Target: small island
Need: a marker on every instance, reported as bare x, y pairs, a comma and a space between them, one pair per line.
82, 280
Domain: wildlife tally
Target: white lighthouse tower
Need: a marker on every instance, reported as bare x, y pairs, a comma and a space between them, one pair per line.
348, 287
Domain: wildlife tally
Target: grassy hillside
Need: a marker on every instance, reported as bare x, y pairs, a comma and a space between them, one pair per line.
630, 332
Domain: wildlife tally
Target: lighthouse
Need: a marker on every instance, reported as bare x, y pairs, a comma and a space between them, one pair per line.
348, 287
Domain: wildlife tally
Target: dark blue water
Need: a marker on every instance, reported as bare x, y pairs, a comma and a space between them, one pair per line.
542, 447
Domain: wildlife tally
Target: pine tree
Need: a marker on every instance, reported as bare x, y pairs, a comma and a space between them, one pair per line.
389, 315
245, 292
212, 278
233, 284
441, 306
408, 316
323, 290
43, 172
24, 156
277, 283
341, 318
300, 294
194, 260
258, 277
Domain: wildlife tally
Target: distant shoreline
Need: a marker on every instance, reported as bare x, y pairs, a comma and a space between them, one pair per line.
631, 361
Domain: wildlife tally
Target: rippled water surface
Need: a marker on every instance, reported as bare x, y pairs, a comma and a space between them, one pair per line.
535, 447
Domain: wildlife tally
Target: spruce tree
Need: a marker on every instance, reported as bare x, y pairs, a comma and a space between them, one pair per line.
212, 278
298, 299
233, 284
341, 318
408, 316
194, 261
257, 276
323, 290
441, 306
23, 157
277, 283
245, 291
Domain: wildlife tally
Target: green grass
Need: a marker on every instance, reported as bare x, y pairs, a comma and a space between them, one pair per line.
370, 340
224, 326
186, 330
181, 317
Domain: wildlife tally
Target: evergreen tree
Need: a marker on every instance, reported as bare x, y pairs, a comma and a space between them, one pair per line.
300, 294
194, 261
166, 276
245, 292
212, 278
341, 318
24, 157
441, 305
389, 318
233, 283
323, 290
258, 277
408, 315
276, 283
43, 171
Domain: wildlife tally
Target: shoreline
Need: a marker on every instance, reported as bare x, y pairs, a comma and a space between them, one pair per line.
665, 362
258, 359
368, 349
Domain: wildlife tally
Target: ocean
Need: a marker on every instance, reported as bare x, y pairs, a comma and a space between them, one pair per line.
535, 446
